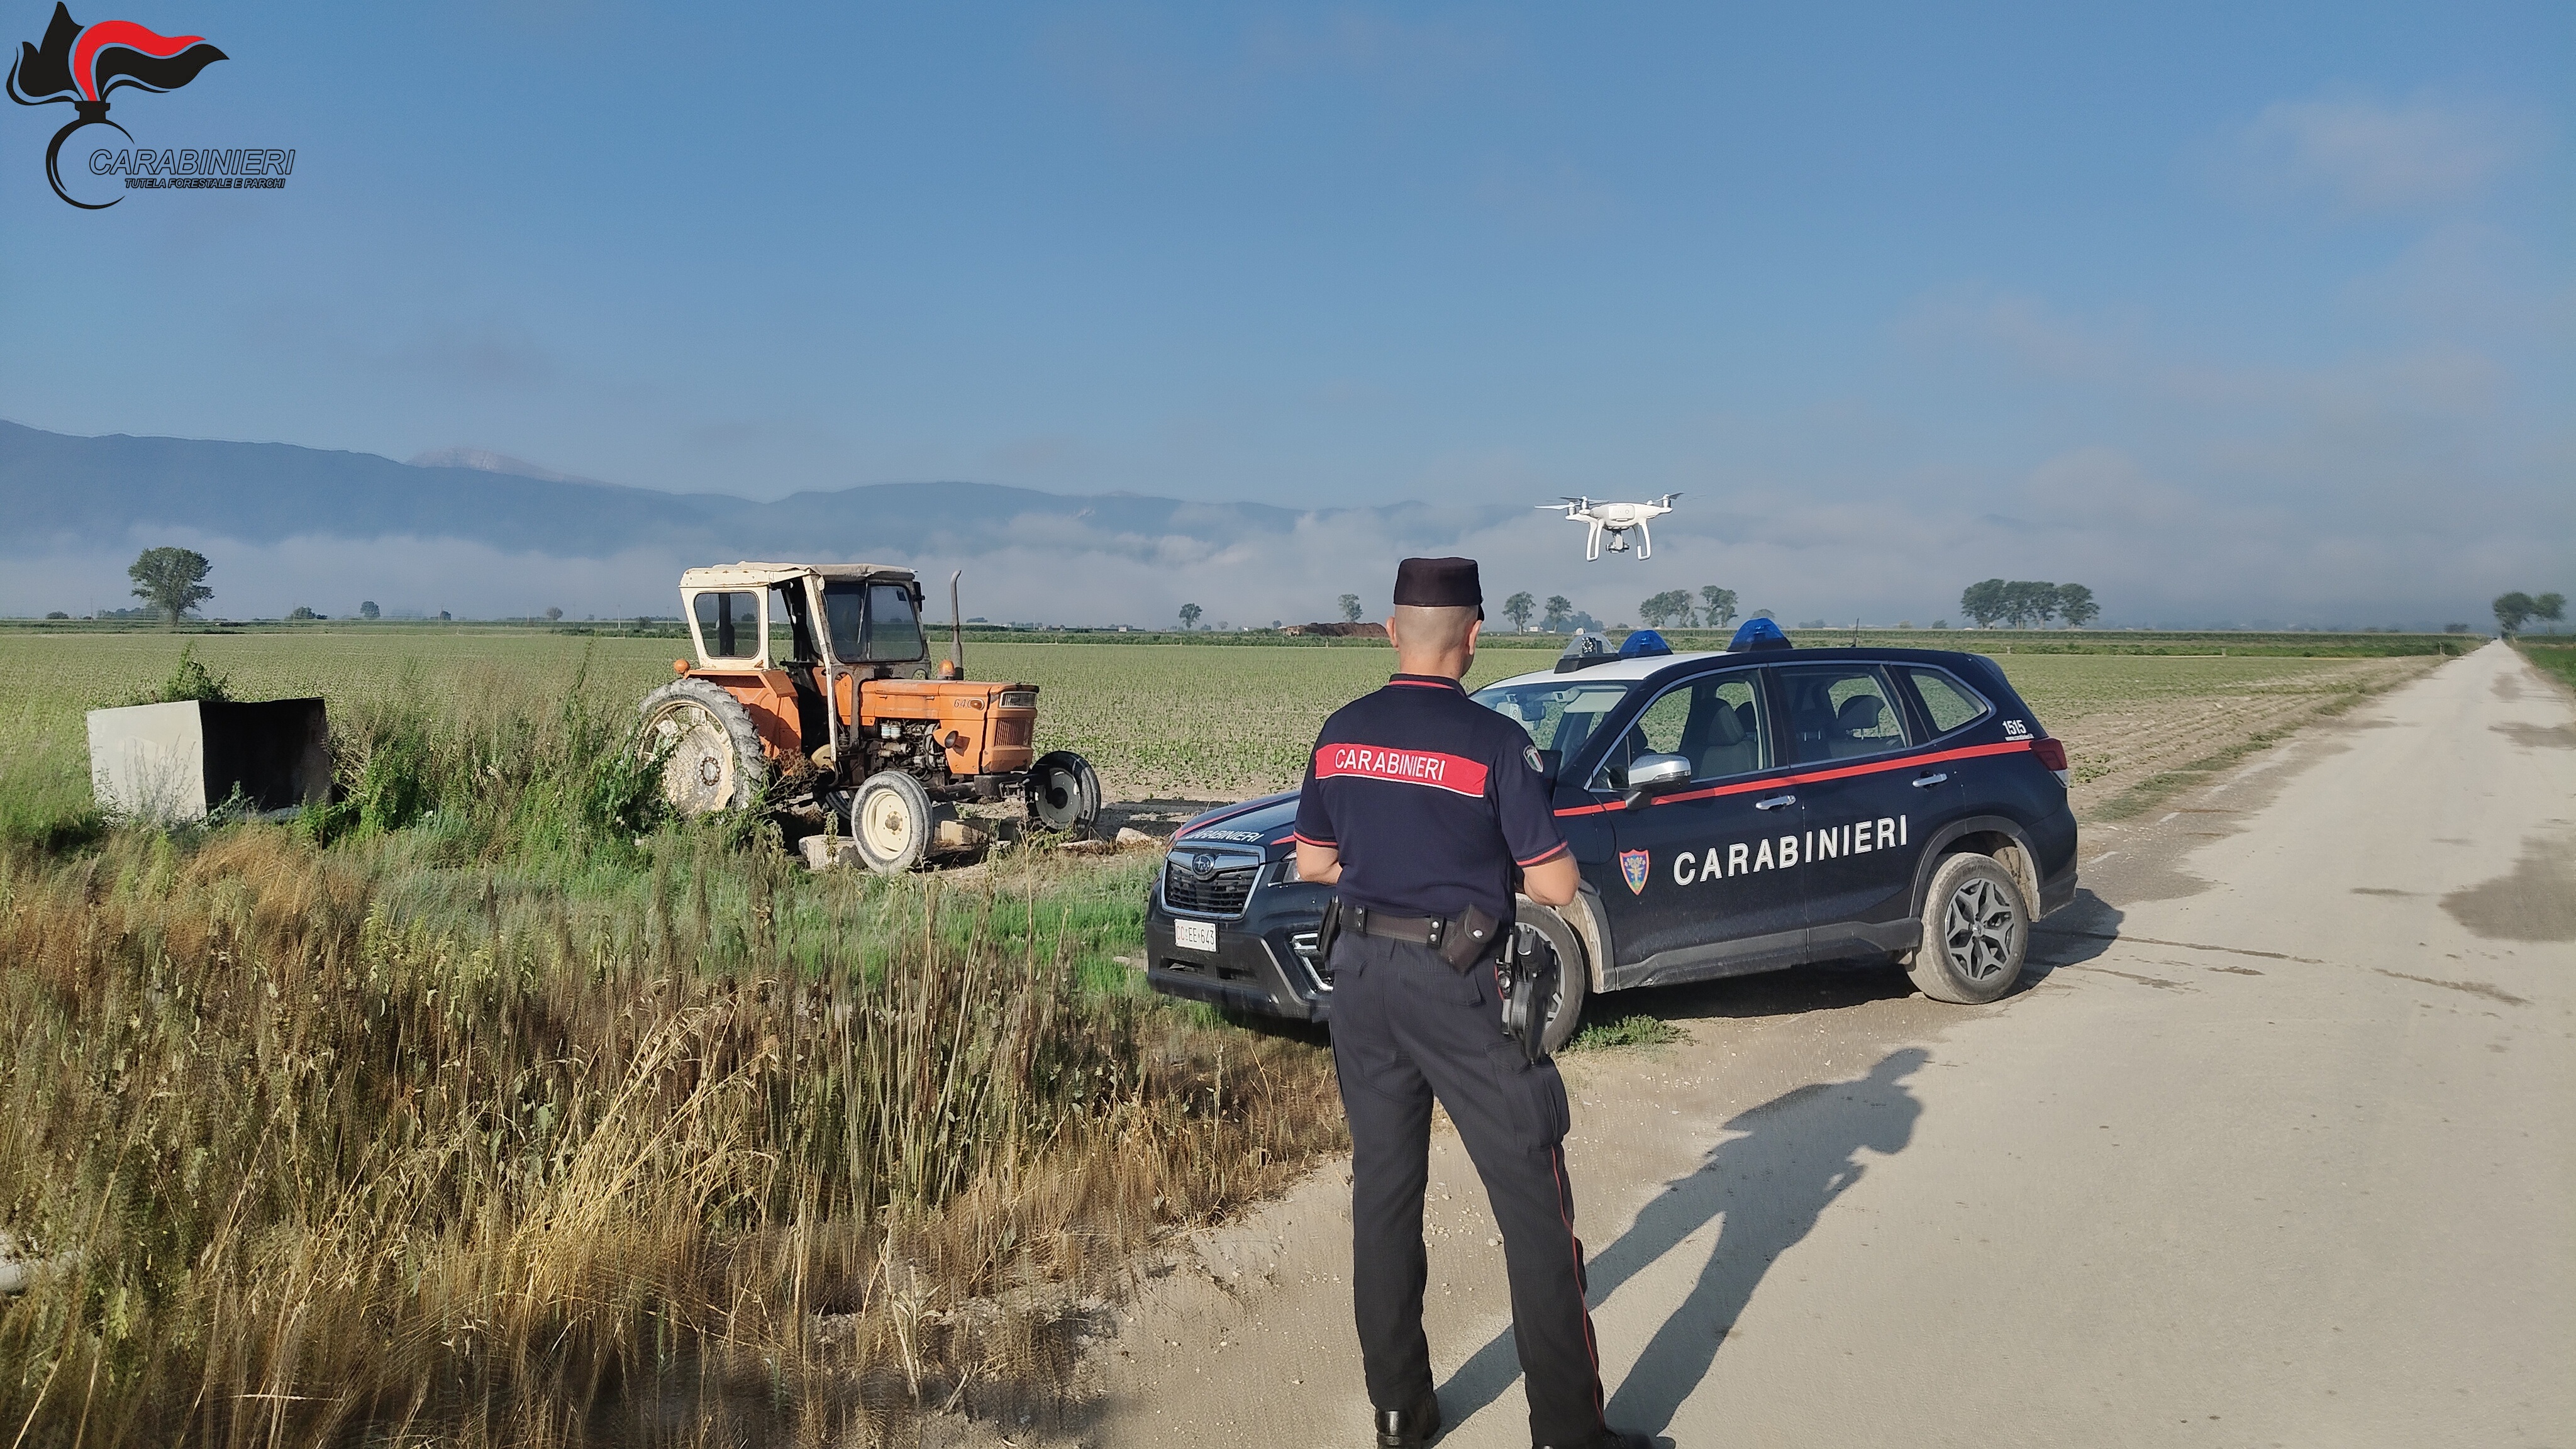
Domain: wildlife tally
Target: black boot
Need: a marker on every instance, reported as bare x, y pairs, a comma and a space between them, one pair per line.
1409, 1428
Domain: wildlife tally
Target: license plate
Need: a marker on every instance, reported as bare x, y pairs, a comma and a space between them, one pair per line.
1194, 935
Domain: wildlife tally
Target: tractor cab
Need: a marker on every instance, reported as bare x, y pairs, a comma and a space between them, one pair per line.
813, 688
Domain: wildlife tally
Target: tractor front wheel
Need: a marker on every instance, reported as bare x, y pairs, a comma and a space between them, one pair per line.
710, 753
891, 820
1063, 793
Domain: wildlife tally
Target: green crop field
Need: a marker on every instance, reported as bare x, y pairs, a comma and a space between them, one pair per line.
1165, 719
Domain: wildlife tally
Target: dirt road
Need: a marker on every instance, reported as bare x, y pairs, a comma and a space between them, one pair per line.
2277, 1146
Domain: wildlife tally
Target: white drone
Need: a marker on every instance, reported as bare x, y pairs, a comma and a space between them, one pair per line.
1615, 519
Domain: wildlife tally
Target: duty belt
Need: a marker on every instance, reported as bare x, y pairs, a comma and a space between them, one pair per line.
1461, 940
1420, 930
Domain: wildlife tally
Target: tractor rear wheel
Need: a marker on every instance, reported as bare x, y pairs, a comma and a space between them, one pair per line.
711, 755
891, 821
1063, 793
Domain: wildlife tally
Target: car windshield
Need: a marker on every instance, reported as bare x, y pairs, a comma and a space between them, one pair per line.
1559, 716
873, 623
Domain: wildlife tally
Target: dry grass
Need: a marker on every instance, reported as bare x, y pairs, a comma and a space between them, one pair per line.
312, 1169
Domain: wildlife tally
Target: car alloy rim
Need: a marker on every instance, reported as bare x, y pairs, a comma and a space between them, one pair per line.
1978, 927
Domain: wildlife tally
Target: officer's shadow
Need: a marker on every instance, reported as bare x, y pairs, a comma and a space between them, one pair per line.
1793, 1156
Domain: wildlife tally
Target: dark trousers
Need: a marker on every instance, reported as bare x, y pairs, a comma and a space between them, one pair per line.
1406, 1029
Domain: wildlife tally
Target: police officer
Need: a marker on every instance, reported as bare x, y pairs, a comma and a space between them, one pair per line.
1421, 806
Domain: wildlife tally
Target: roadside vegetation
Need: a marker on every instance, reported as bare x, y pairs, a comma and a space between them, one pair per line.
2554, 654
488, 1105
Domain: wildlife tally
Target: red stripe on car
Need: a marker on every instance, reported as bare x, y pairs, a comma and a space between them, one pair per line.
1769, 782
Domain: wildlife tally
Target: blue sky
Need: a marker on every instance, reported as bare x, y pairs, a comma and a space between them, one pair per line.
2237, 311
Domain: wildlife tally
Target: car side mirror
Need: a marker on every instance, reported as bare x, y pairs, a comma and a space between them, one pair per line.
1650, 775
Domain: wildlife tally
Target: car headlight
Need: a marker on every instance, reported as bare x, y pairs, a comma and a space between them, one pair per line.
1287, 869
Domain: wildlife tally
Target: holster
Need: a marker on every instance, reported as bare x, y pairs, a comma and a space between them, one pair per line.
1466, 938
1328, 931
1526, 978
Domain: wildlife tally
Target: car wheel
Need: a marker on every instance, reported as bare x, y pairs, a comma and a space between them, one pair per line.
891, 821
1976, 931
1565, 1003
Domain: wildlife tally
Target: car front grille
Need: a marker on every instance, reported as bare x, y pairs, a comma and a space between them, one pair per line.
1221, 893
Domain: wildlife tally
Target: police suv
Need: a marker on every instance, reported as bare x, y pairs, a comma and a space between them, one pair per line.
1732, 812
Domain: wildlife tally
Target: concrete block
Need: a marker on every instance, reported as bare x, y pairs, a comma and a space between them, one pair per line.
177, 762
826, 852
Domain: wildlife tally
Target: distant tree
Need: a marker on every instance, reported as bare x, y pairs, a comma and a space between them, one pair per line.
1557, 607
1984, 603
444, 616
2028, 602
1672, 606
172, 580
1350, 608
553, 614
368, 610
2075, 604
302, 612
1190, 616
1518, 609
2550, 608
1717, 606
57, 614
2512, 611
2455, 628
1940, 623
1765, 614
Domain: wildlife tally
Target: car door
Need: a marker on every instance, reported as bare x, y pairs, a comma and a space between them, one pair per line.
1704, 887
1863, 798
1953, 782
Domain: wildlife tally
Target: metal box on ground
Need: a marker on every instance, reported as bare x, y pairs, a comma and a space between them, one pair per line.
177, 762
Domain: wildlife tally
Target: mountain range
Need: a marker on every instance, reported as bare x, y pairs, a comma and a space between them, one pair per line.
308, 518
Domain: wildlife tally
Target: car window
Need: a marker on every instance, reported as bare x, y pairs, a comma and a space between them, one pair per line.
1715, 723
1948, 703
1839, 711
1560, 717
729, 624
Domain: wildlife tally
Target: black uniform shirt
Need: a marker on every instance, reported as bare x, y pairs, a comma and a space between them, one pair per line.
1430, 797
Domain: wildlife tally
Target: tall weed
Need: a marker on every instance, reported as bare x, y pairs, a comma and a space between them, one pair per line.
332, 1146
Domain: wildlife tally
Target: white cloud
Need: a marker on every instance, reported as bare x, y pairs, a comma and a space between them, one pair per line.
2371, 157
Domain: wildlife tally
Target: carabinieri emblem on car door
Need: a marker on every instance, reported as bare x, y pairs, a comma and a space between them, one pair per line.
1633, 864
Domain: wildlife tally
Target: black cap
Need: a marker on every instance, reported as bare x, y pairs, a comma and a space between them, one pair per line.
1439, 583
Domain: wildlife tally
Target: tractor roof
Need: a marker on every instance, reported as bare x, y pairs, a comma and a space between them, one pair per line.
762, 575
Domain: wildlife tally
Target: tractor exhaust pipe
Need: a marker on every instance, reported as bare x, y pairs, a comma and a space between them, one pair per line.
956, 631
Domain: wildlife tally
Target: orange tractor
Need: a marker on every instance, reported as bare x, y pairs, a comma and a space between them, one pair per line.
813, 694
